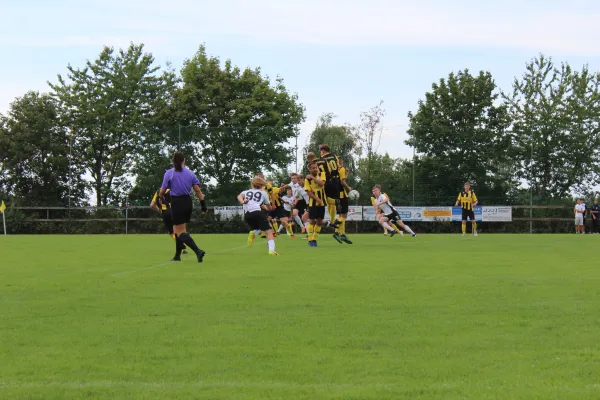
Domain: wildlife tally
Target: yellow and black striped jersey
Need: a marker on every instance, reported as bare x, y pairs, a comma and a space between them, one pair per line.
276, 194
343, 175
329, 164
319, 191
466, 200
162, 206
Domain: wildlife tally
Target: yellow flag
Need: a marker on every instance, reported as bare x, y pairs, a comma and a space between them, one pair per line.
2, 207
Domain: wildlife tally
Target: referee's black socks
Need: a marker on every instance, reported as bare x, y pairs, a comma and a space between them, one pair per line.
178, 248
187, 239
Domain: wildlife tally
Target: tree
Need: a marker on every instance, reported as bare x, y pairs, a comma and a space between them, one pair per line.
37, 165
239, 122
340, 138
556, 114
462, 135
369, 133
384, 172
111, 106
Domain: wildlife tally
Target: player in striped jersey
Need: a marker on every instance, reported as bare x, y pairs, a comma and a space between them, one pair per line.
315, 188
391, 215
254, 201
340, 233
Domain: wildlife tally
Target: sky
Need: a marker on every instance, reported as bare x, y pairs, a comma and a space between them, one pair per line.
338, 56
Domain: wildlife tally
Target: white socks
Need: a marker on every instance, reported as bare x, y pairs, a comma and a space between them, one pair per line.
271, 245
388, 227
407, 229
298, 221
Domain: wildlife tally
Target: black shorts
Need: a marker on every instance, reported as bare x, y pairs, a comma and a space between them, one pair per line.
257, 220
301, 206
167, 218
343, 206
317, 212
333, 188
279, 212
468, 213
181, 209
394, 217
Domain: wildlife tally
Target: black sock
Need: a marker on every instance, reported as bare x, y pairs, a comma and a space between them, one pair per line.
178, 247
187, 239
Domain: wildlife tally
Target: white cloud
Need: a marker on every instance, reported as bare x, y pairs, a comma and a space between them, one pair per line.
329, 22
378, 22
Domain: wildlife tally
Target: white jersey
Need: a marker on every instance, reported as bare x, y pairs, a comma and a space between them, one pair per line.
386, 208
299, 192
287, 202
256, 198
580, 207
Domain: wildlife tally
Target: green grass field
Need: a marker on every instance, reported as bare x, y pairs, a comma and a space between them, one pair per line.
434, 317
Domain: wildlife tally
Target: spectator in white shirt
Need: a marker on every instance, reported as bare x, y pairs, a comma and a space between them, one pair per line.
579, 211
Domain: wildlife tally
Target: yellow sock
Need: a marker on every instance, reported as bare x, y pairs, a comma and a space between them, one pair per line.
288, 227
474, 224
317, 230
331, 208
342, 226
275, 226
311, 230
464, 228
396, 228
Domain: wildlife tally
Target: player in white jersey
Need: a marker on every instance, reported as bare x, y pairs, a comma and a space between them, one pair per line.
287, 201
254, 200
388, 213
579, 213
300, 213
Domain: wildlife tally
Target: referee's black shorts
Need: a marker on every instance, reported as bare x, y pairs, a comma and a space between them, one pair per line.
181, 209
257, 220
468, 214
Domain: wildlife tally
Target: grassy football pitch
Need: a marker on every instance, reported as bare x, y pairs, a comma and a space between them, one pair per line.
432, 317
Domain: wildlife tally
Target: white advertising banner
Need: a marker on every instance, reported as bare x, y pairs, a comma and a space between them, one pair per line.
229, 211
424, 214
496, 214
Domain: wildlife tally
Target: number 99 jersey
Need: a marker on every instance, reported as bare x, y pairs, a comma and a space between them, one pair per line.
255, 199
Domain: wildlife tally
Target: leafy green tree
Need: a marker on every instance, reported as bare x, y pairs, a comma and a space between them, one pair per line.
111, 105
340, 138
461, 133
37, 164
384, 172
556, 114
239, 122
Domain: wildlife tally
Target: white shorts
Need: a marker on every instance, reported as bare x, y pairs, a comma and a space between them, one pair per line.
579, 219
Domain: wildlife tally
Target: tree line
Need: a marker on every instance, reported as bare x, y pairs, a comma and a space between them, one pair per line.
110, 126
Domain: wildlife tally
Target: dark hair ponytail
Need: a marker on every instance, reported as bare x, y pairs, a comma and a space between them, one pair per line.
178, 161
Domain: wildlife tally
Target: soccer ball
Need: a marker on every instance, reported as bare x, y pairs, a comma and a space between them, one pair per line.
353, 195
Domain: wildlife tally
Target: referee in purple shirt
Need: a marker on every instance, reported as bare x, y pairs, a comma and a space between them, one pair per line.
180, 180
